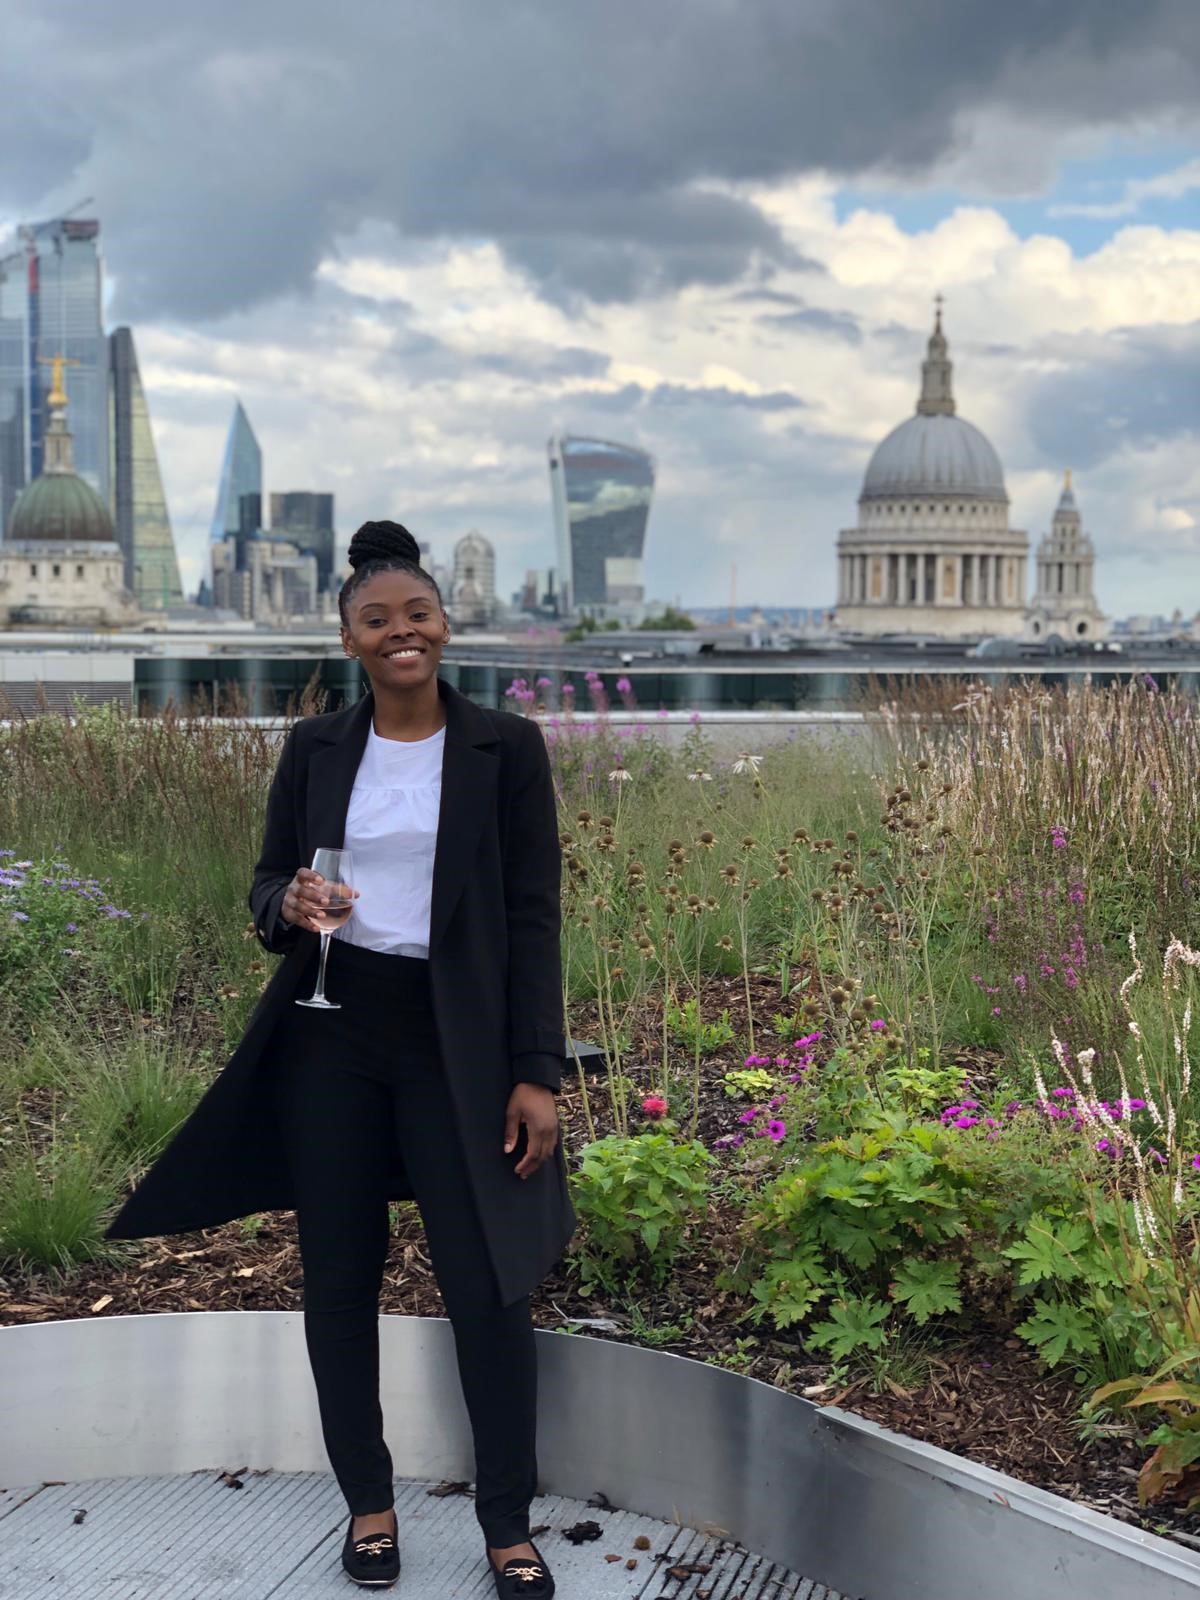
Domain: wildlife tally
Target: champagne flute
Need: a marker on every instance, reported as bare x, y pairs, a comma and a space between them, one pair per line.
335, 867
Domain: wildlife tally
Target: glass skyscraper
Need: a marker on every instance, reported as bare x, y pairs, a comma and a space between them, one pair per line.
50, 304
139, 505
601, 493
307, 520
15, 354
239, 497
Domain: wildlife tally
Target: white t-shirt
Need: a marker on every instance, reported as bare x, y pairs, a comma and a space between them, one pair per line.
391, 831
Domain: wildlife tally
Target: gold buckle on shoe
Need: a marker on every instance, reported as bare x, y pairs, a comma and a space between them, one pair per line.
373, 1547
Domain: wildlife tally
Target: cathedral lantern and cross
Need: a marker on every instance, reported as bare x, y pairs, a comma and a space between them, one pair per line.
58, 454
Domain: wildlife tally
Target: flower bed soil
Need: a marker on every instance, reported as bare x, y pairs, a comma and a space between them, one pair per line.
985, 1398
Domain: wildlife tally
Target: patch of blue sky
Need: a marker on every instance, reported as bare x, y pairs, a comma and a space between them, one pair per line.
1088, 203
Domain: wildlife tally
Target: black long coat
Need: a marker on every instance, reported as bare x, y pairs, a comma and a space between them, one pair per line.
495, 974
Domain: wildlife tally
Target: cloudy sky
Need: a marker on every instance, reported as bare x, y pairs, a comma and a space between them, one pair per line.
416, 238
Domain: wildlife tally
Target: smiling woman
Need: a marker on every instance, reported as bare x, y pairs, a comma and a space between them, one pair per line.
434, 1076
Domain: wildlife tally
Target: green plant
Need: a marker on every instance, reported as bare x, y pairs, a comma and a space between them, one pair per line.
637, 1197
54, 1205
684, 1022
739, 1359
750, 1083
654, 1334
855, 1322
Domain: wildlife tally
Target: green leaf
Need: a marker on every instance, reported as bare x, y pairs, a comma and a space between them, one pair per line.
927, 1288
1045, 1251
853, 1324
1056, 1327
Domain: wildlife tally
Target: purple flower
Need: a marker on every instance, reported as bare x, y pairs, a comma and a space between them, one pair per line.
19, 916
877, 1024
749, 1116
544, 683
965, 1122
776, 1129
1063, 1094
72, 928
623, 686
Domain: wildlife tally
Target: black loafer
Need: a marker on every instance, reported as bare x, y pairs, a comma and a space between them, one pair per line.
523, 1579
372, 1560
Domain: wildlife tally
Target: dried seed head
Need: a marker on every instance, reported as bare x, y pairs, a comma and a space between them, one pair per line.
706, 839
725, 942
584, 819
922, 765
607, 822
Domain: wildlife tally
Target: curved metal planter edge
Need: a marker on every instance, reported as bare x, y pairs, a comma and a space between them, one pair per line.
863, 1510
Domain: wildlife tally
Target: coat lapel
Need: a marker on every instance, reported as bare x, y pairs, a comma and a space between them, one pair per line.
469, 772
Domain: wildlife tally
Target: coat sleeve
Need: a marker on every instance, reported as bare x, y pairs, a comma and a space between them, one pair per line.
280, 856
533, 907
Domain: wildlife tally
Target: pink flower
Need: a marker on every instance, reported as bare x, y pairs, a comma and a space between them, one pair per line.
654, 1106
877, 1024
776, 1129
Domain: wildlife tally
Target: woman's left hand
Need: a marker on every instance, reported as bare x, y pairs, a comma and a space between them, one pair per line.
533, 1105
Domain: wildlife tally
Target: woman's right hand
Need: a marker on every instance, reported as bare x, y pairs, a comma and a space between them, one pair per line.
303, 899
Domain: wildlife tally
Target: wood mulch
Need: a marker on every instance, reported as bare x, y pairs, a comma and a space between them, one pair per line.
985, 1399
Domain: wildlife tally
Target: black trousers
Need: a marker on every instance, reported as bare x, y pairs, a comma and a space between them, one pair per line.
345, 1083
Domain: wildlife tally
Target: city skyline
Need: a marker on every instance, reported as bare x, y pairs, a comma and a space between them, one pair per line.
739, 292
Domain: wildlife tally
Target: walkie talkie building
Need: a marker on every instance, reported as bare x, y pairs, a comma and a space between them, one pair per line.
601, 493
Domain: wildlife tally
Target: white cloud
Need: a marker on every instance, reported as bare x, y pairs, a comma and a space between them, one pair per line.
423, 386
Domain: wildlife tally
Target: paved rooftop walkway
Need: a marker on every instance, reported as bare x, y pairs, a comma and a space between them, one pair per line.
190, 1537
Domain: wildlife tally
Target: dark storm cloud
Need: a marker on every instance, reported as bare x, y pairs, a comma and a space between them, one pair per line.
228, 146
841, 324
1132, 388
542, 363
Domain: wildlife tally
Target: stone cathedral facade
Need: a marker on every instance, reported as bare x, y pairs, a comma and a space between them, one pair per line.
933, 552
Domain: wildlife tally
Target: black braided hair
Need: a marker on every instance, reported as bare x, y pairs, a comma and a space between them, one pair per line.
381, 547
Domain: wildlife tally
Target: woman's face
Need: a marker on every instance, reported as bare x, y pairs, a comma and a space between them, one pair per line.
397, 630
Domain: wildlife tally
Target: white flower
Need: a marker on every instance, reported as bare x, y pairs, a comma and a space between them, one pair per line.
620, 775
747, 763
704, 777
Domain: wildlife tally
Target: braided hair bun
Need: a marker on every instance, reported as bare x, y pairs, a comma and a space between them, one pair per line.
382, 541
